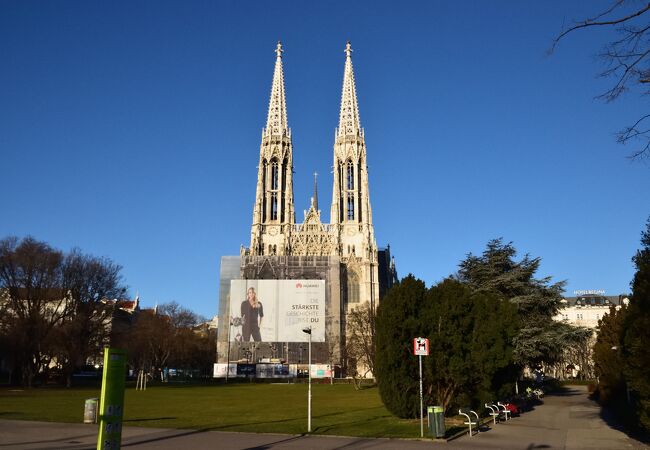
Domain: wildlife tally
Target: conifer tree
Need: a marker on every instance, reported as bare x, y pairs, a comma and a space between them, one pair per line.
399, 320
636, 351
540, 339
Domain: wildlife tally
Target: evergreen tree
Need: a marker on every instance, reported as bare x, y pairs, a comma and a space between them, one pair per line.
471, 352
399, 320
470, 334
607, 356
540, 339
636, 352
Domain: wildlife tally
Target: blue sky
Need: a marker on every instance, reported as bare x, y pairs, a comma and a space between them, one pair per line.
132, 130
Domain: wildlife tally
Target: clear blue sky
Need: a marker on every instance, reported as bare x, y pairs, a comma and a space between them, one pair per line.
132, 130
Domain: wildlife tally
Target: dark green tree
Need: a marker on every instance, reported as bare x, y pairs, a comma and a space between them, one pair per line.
471, 350
399, 320
636, 351
540, 339
608, 361
470, 335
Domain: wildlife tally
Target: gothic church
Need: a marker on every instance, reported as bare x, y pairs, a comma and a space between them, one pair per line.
349, 235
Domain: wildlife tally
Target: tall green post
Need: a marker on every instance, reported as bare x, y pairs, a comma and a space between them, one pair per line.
111, 403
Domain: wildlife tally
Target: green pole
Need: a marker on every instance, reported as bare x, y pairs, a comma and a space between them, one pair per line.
111, 403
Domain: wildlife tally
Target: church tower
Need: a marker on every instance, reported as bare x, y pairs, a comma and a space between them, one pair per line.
273, 213
351, 213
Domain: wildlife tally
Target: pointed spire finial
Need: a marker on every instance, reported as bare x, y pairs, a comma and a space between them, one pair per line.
276, 122
349, 122
315, 199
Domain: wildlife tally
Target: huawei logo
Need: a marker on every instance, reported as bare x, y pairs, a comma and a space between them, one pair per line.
298, 285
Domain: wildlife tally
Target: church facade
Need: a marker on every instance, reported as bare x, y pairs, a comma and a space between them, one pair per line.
349, 235
343, 252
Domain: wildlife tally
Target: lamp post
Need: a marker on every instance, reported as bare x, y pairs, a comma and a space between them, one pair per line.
308, 331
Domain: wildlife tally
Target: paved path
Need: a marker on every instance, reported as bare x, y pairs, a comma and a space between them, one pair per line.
569, 421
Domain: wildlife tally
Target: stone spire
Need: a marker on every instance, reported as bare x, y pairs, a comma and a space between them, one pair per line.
276, 122
315, 198
349, 122
273, 212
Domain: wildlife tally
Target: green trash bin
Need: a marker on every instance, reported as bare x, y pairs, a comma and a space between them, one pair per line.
90, 410
436, 419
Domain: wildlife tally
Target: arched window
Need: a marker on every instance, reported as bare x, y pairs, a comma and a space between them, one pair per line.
350, 175
274, 189
264, 194
274, 175
353, 287
350, 206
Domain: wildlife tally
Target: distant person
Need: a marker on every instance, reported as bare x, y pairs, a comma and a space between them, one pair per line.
252, 313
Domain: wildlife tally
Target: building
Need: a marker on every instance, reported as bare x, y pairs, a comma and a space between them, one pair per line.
587, 309
343, 252
584, 310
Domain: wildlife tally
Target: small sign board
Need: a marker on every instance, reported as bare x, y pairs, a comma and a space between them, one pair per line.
421, 346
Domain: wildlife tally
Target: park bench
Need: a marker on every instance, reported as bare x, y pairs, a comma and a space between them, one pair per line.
470, 421
494, 411
505, 411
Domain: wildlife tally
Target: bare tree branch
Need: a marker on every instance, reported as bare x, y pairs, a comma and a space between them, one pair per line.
593, 22
627, 60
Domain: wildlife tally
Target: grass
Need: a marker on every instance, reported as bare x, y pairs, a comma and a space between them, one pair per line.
263, 408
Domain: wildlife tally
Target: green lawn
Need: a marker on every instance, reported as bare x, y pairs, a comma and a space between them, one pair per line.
264, 408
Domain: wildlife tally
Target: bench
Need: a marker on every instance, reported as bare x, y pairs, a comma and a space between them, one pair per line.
494, 411
470, 421
505, 411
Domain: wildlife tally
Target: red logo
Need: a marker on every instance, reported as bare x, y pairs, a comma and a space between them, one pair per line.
298, 285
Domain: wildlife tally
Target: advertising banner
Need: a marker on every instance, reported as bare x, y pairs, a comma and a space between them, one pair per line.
220, 370
273, 371
277, 310
320, 371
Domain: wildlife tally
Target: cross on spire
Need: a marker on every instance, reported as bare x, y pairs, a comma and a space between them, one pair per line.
348, 49
278, 49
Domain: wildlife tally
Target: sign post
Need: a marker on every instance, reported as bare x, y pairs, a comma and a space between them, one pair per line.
421, 348
111, 406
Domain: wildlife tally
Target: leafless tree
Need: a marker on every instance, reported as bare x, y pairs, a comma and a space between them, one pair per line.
34, 303
360, 342
90, 283
626, 59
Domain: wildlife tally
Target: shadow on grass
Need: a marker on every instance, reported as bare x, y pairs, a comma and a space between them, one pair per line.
266, 422
149, 419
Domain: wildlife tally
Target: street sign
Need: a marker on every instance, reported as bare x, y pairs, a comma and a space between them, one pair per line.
421, 346
111, 406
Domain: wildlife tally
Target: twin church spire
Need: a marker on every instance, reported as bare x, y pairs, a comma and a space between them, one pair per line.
274, 231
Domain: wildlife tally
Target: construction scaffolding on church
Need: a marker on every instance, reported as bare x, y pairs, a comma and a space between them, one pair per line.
297, 275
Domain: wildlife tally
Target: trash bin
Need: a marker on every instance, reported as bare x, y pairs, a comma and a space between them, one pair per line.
90, 410
436, 419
